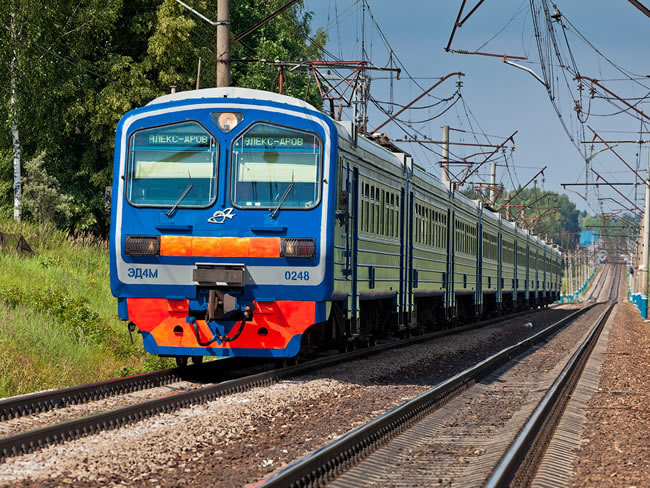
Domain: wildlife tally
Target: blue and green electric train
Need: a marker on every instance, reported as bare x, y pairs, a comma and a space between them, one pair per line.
247, 223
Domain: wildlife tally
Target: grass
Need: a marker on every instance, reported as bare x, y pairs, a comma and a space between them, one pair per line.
58, 319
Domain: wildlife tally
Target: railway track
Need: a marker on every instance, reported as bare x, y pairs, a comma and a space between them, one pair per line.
32, 432
368, 456
520, 463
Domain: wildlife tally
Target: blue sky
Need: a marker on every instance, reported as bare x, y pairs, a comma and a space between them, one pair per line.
502, 98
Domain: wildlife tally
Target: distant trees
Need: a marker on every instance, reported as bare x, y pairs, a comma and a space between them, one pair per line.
560, 225
77, 67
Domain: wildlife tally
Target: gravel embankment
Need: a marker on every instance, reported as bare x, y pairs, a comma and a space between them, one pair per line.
615, 448
241, 438
460, 444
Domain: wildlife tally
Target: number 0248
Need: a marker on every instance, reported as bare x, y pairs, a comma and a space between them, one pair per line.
296, 275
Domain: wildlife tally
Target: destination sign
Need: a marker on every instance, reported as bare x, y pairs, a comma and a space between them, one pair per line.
178, 139
278, 142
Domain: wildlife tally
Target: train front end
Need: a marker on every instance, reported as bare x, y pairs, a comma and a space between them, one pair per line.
220, 215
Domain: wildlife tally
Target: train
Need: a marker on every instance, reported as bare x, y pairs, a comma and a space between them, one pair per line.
249, 223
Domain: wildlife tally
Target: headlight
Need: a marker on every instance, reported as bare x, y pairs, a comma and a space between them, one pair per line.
297, 248
226, 121
142, 245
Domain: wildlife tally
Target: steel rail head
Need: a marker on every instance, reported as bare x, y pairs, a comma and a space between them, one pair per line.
22, 405
512, 462
19, 406
338, 455
38, 438
48, 400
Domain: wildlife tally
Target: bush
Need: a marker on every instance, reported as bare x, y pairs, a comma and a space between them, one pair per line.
42, 198
73, 313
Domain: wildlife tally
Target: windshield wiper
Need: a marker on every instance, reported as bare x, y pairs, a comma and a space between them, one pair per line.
172, 210
284, 197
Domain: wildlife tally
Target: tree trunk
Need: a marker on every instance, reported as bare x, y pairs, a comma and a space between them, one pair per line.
13, 114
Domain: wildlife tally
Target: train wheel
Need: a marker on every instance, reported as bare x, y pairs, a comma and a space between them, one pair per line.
181, 361
197, 359
282, 363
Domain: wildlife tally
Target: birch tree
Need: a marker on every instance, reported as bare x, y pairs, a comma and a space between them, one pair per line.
14, 33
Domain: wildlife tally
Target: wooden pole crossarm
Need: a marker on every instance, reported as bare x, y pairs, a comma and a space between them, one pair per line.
456, 24
427, 141
599, 184
640, 6
492, 55
640, 141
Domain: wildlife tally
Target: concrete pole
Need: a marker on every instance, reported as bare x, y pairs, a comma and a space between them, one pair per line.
581, 280
643, 268
223, 43
493, 183
570, 273
445, 154
644, 246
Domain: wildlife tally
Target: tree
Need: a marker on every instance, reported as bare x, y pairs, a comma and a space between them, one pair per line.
560, 225
82, 65
43, 197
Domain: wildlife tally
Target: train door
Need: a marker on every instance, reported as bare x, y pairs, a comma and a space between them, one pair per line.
515, 291
349, 207
499, 269
405, 297
527, 282
406, 303
478, 292
450, 292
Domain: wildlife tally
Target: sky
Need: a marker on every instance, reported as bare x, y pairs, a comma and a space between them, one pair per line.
498, 99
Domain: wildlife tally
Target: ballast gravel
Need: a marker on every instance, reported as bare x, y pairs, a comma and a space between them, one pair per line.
461, 443
240, 439
51, 417
615, 444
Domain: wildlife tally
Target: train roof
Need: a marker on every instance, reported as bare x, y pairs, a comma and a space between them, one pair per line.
233, 92
398, 159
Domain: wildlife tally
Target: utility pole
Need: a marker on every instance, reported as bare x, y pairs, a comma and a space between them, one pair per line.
570, 257
493, 184
445, 154
643, 268
223, 43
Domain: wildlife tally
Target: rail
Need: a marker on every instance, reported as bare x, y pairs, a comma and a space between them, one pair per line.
519, 463
330, 460
22, 405
32, 440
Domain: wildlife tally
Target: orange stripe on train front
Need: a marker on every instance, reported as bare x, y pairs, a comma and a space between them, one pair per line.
233, 247
227, 247
175, 246
264, 247
205, 246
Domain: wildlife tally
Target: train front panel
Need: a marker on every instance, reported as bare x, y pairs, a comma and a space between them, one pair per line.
221, 215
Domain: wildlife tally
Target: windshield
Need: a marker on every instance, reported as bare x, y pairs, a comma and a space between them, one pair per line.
270, 161
165, 161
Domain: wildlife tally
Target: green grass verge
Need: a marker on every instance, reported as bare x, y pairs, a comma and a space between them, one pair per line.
58, 319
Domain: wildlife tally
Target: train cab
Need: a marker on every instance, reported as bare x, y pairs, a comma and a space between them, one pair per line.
220, 207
